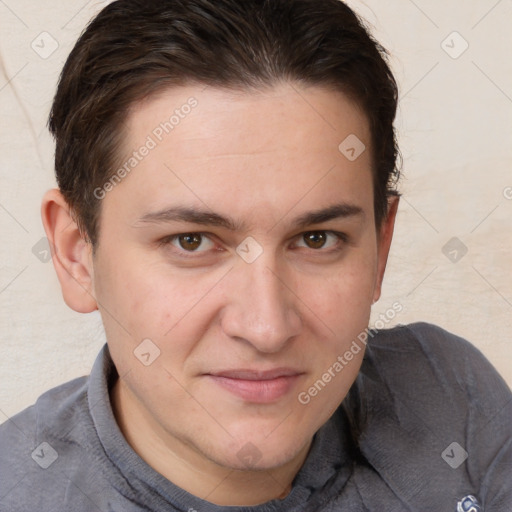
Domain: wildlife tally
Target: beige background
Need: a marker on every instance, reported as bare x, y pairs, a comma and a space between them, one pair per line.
454, 123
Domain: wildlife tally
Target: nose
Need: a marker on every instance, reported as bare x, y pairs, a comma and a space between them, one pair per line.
262, 310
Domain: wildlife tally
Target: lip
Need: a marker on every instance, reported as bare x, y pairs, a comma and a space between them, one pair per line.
257, 386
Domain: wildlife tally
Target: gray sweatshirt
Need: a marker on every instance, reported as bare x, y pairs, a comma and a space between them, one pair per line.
426, 427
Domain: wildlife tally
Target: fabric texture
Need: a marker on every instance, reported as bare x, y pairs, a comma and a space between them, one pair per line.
427, 422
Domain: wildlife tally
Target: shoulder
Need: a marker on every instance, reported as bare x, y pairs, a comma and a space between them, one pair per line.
429, 408
426, 352
439, 372
50, 409
33, 439
421, 337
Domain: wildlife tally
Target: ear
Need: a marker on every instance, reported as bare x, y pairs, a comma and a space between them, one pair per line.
384, 238
72, 254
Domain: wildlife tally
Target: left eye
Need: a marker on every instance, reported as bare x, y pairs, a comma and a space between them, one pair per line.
319, 239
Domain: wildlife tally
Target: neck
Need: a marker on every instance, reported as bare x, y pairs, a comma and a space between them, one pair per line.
186, 467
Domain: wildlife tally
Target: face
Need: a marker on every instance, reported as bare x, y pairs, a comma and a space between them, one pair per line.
242, 247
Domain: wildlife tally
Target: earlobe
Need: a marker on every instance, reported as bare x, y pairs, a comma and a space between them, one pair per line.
72, 255
384, 243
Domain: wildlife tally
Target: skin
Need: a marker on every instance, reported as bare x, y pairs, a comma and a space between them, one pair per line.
263, 159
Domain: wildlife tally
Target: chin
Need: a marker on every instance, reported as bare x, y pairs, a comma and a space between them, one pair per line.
259, 454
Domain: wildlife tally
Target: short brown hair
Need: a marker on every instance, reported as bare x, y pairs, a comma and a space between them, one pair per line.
135, 48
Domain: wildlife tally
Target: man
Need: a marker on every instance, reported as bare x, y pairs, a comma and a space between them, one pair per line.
227, 199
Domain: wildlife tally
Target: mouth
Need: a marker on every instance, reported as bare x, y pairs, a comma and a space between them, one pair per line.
257, 386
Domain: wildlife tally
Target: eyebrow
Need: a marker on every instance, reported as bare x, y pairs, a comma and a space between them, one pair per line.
209, 218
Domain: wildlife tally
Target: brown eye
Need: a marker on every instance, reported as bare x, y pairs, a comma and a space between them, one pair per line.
315, 239
190, 241
188, 244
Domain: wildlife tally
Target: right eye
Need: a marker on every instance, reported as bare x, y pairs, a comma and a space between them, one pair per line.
188, 242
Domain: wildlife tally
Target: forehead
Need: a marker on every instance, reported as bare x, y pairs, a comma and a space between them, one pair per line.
247, 119
269, 149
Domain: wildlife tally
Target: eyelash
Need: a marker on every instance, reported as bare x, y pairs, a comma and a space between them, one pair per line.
166, 241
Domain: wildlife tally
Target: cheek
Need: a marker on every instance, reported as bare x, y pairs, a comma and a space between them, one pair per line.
344, 294
172, 310
137, 291
131, 299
